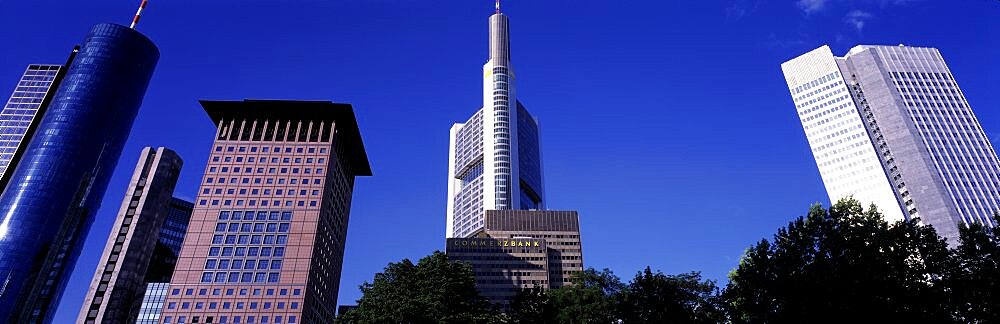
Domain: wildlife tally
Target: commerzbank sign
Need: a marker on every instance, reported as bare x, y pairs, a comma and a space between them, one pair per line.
496, 243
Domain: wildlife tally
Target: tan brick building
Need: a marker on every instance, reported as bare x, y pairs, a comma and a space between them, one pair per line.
266, 239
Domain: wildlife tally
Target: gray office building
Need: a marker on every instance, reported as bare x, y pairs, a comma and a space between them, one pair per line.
120, 279
520, 249
889, 125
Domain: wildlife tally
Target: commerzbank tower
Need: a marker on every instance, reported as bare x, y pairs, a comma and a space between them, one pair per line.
494, 160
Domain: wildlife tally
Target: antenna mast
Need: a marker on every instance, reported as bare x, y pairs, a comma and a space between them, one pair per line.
498, 6
135, 21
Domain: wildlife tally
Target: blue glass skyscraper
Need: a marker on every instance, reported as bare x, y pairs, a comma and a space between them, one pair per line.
49, 205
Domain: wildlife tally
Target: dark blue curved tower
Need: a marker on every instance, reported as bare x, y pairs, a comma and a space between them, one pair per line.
49, 205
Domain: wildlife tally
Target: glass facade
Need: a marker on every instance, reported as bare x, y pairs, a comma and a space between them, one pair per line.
152, 303
247, 247
20, 115
57, 188
168, 245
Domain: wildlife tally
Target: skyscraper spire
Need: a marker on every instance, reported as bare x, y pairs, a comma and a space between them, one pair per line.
135, 21
498, 6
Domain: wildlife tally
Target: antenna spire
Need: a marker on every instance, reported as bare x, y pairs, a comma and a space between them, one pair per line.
498, 6
135, 21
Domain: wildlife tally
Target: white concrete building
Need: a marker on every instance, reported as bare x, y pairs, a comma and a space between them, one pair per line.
889, 125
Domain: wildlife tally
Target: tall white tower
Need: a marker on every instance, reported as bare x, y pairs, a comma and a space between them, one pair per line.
888, 125
494, 158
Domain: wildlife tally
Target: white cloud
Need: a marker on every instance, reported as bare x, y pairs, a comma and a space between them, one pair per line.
857, 19
811, 6
814, 6
741, 8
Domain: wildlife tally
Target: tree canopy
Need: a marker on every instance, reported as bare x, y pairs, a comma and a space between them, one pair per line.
847, 264
434, 290
839, 264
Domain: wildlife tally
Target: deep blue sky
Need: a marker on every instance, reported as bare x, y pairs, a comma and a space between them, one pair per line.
667, 124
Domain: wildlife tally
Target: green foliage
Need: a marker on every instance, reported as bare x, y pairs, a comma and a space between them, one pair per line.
434, 290
532, 305
838, 265
592, 298
841, 265
653, 297
975, 281
600, 297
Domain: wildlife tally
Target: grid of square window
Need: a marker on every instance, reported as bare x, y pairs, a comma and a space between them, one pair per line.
264, 176
247, 247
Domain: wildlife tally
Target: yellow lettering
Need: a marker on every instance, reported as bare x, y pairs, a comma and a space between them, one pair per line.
536, 243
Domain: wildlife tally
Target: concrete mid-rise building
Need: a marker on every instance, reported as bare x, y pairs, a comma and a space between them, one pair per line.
521, 249
267, 235
888, 125
120, 279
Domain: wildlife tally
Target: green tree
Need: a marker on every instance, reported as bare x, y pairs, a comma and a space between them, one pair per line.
975, 281
592, 298
653, 297
844, 264
532, 305
434, 290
